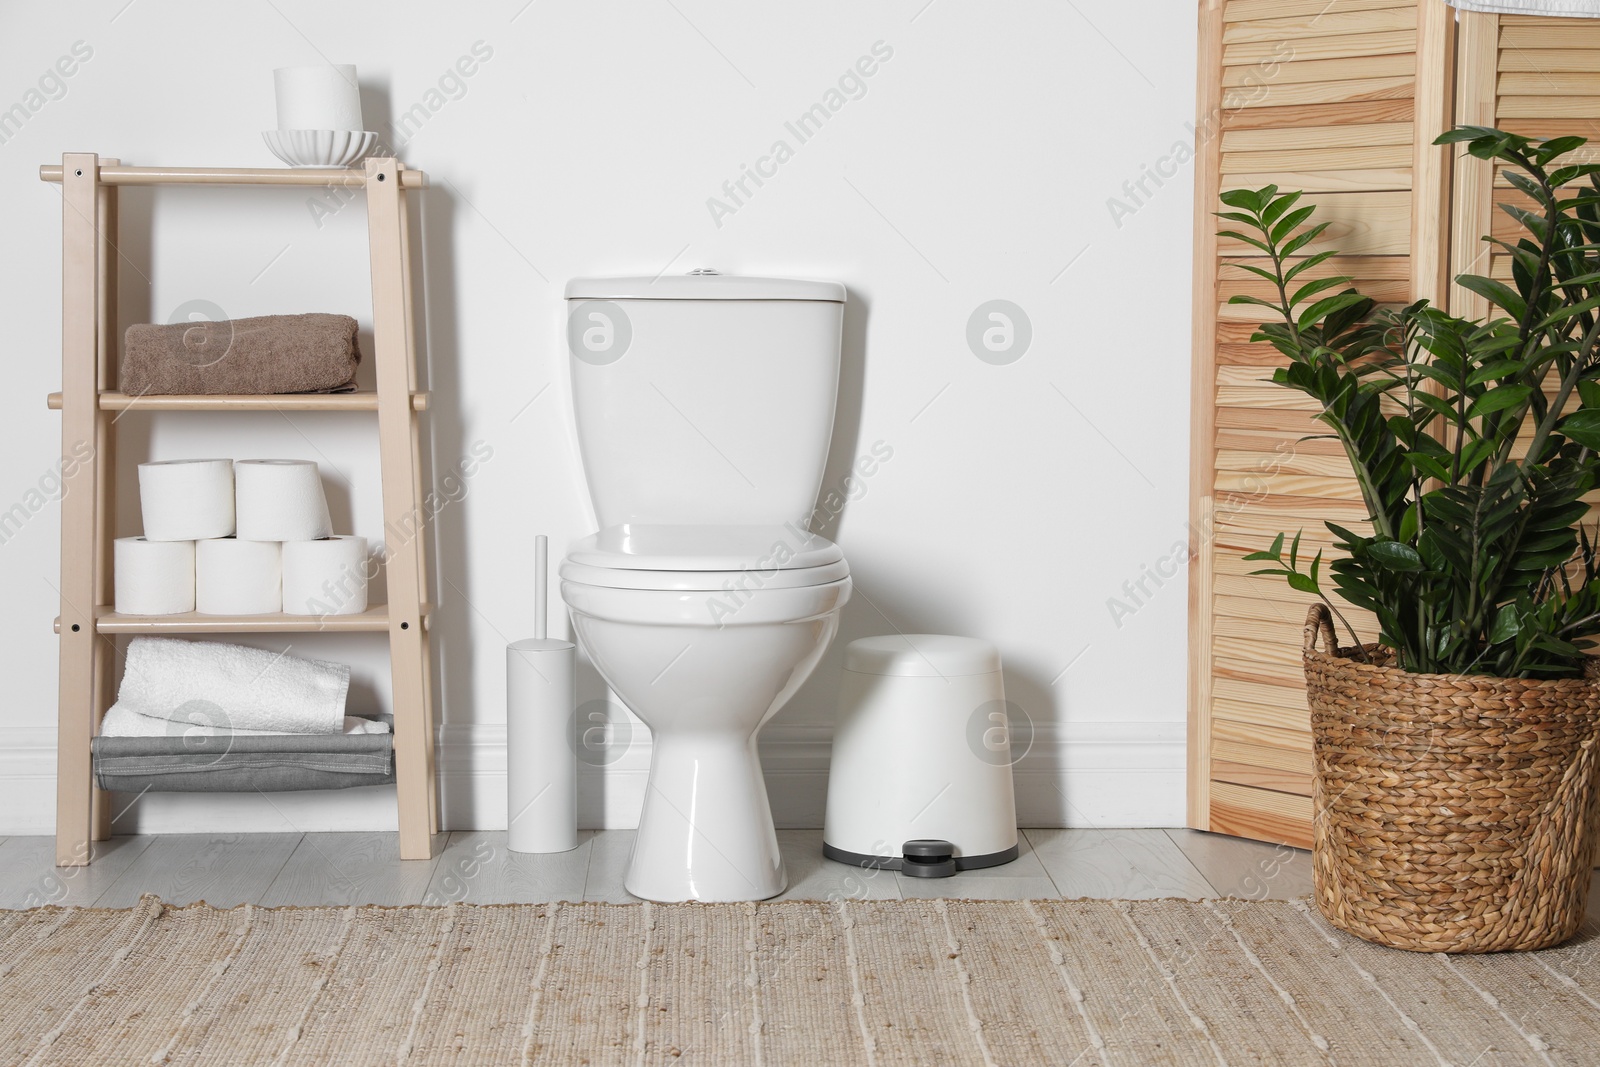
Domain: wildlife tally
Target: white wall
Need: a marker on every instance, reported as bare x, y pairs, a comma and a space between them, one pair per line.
977, 165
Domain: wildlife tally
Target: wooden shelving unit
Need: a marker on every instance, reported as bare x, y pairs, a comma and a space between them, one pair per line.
90, 406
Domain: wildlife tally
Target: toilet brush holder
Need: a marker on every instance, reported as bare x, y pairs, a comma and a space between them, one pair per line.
541, 760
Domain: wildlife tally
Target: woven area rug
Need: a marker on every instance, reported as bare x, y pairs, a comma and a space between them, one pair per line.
892, 982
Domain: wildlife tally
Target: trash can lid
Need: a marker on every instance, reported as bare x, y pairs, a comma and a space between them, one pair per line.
921, 656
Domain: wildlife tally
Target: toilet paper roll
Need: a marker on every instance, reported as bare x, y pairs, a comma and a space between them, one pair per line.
326, 577
325, 96
280, 500
153, 577
235, 577
186, 499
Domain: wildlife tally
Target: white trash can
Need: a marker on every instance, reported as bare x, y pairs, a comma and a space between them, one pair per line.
920, 780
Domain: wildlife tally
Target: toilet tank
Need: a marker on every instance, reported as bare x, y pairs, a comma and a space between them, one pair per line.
704, 399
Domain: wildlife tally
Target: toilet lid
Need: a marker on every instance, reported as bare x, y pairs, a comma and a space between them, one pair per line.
639, 556
640, 547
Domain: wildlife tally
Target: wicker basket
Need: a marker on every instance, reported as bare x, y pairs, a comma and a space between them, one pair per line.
1451, 813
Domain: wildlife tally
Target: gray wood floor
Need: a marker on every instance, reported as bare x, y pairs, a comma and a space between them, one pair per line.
476, 867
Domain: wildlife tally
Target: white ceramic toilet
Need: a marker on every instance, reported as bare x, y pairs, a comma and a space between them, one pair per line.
704, 406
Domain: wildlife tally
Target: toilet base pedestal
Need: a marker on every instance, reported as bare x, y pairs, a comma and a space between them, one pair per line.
706, 831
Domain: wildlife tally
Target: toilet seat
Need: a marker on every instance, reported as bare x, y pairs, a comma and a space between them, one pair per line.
703, 558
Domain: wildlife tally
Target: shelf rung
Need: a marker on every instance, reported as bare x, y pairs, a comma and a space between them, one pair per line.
373, 620
118, 175
363, 401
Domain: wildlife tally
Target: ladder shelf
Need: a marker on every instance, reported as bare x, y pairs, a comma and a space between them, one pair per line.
90, 406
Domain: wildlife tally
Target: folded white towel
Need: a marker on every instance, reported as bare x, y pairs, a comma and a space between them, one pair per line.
250, 689
200, 721
1585, 9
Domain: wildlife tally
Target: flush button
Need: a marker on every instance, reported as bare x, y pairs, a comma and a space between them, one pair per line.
701, 272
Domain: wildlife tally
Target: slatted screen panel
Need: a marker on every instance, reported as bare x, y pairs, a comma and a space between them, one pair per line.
1339, 99
1534, 76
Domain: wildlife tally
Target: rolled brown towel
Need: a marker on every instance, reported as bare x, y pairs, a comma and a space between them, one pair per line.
314, 353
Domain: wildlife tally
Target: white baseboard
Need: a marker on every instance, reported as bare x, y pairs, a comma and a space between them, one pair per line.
1075, 774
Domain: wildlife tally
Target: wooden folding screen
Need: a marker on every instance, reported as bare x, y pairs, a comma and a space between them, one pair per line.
1528, 75
1341, 99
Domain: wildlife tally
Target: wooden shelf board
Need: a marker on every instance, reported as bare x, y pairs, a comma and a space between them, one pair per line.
373, 620
360, 401
322, 176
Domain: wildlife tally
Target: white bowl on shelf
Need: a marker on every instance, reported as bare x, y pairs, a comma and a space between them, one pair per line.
320, 148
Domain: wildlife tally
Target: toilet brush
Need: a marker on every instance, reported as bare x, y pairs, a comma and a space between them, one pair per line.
541, 758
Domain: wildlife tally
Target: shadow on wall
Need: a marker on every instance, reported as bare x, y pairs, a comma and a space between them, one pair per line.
839, 479
845, 446
377, 113
444, 447
879, 606
454, 654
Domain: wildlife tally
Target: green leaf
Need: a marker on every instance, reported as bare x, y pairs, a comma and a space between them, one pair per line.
1302, 265
1557, 146
1475, 453
1237, 236
1436, 404
1531, 221
1312, 288
1582, 426
1241, 298
1278, 206
1428, 467
1505, 626
1243, 198
1464, 133
1324, 308
1569, 311
1286, 225
1527, 185
1260, 272
1495, 370
1506, 396
1498, 293
1303, 238
1304, 583
1396, 555
1272, 554
1408, 521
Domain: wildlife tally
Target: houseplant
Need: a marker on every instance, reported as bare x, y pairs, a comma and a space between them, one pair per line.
1455, 756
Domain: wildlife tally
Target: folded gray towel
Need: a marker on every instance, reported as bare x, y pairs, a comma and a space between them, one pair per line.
313, 353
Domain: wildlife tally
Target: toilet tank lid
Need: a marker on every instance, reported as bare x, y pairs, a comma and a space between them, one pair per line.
655, 547
921, 656
704, 287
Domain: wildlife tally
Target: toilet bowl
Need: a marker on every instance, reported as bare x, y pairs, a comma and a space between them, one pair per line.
704, 634
704, 412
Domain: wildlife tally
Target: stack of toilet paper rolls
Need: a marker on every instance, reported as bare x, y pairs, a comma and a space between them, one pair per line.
250, 537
